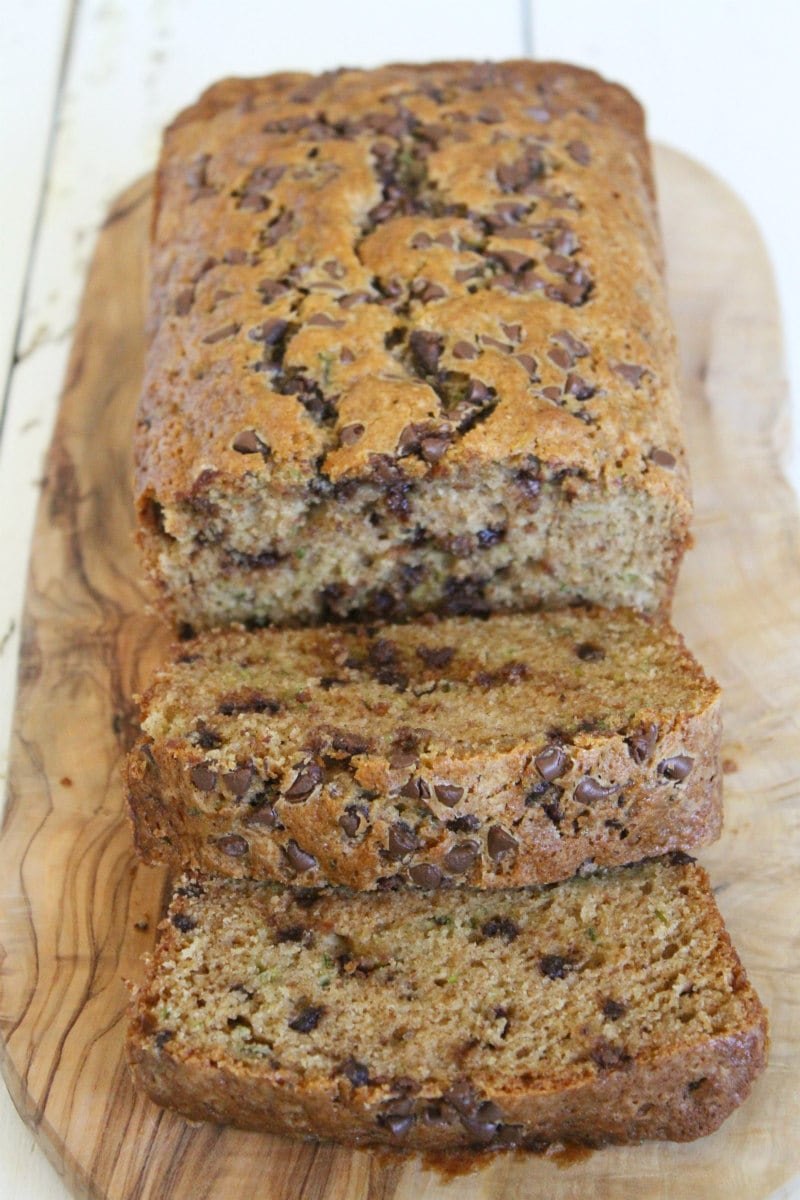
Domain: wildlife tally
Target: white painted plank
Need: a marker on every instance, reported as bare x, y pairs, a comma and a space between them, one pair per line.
719, 81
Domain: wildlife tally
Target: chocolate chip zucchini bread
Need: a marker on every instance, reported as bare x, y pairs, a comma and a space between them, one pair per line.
606, 1009
409, 351
493, 753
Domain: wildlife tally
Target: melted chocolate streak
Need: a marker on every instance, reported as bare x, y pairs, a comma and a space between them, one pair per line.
403, 143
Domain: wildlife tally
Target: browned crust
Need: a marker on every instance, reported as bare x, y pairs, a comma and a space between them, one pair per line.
189, 417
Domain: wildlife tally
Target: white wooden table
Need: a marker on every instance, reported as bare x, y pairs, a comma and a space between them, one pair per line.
86, 85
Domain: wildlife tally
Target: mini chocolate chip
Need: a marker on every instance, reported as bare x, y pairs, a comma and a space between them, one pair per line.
308, 1019
264, 817
304, 782
184, 301
291, 933
606, 1056
349, 822
346, 355
676, 768
426, 875
356, 1072
324, 319
350, 434
232, 844
351, 298
403, 759
631, 372
496, 344
248, 442
402, 840
578, 387
574, 346
426, 348
448, 794
225, 331
613, 1009
415, 789
662, 458
554, 966
514, 260
466, 823
580, 152
465, 350
642, 743
560, 357
500, 842
350, 743
301, 860
269, 332
163, 1036
421, 240
396, 1123
461, 858
203, 778
589, 791
502, 927
238, 781
529, 363
589, 652
552, 763
514, 332
183, 922
679, 858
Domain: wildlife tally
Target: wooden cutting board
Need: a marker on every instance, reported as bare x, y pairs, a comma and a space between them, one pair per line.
77, 910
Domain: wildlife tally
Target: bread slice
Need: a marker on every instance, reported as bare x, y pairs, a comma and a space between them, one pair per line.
603, 1009
494, 753
410, 350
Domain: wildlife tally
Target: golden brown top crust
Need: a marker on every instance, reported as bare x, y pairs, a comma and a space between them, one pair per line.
449, 266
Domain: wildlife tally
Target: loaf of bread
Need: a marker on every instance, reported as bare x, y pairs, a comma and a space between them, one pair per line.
607, 1009
410, 351
492, 753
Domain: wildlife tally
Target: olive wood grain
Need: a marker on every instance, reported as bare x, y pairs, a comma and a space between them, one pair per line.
77, 910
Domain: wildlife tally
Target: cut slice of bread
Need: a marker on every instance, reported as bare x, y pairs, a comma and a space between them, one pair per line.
602, 1009
511, 751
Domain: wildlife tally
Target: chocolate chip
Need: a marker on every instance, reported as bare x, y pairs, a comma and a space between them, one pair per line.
679, 858
291, 934
426, 349
264, 817
350, 434
421, 240
437, 657
464, 350
426, 875
350, 743
238, 781
325, 320
662, 458
225, 331
484, 1125
308, 1019
606, 1056
163, 1036
356, 1072
349, 822
631, 372
676, 768
589, 652
402, 760
269, 332
500, 843
203, 778
578, 387
184, 301
248, 442
554, 966
232, 844
448, 794
529, 363
561, 357
500, 927
397, 1123
415, 789
589, 791
300, 859
514, 332
402, 840
270, 289
307, 778
574, 346
495, 344
466, 823
613, 1010
514, 260
351, 298
580, 152
183, 922
426, 291
461, 858
642, 743
463, 1097
552, 763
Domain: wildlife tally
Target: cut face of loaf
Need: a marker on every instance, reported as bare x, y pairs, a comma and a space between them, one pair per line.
410, 351
610, 1009
493, 753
